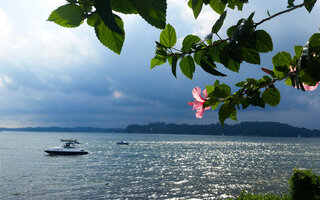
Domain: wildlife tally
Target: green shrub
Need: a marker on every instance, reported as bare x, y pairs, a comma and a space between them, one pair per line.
304, 185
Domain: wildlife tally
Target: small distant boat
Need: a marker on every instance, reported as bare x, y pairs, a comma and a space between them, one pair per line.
123, 142
68, 148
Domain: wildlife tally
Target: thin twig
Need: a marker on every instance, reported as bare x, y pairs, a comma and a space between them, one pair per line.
279, 13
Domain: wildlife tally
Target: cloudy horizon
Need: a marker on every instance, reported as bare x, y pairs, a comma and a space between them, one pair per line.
54, 76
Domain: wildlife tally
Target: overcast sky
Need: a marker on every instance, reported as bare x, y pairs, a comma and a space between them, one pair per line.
54, 76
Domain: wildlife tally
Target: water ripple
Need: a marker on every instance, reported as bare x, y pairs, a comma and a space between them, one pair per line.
151, 167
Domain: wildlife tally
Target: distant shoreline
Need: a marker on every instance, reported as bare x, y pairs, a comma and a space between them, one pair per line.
61, 129
266, 129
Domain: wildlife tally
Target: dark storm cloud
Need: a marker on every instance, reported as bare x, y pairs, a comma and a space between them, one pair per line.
68, 78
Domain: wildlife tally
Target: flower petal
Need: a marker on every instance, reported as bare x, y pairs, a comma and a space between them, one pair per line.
268, 71
205, 93
196, 92
199, 113
190, 103
197, 105
310, 88
207, 108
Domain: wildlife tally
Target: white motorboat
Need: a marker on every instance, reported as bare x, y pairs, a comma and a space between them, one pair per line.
68, 149
123, 142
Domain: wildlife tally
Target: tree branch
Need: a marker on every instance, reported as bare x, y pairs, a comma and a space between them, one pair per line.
279, 13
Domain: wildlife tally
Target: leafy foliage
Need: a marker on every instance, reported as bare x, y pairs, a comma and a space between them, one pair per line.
70, 15
111, 39
153, 11
304, 185
168, 37
244, 43
108, 26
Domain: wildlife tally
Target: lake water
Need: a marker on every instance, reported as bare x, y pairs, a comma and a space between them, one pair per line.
152, 166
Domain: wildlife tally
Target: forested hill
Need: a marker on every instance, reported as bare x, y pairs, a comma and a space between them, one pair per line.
270, 129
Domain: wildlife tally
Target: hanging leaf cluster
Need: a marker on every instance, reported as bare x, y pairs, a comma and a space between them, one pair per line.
244, 44
108, 26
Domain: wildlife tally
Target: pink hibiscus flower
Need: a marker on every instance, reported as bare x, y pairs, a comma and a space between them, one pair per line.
199, 101
306, 87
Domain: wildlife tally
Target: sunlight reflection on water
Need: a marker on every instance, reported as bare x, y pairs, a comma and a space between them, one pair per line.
151, 167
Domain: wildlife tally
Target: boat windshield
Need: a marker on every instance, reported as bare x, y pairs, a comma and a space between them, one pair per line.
69, 145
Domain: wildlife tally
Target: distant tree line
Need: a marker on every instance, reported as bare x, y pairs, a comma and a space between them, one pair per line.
268, 129
62, 129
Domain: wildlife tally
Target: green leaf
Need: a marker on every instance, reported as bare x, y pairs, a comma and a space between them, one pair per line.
221, 91
306, 78
225, 112
267, 79
103, 8
210, 88
271, 96
157, 60
249, 19
268, 13
290, 3
174, 65
231, 30
263, 41
123, 6
187, 66
245, 103
93, 19
233, 115
288, 81
314, 40
240, 84
168, 36
232, 65
209, 69
217, 26
196, 6
109, 38
309, 63
218, 6
256, 100
153, 11
234, 52
308, 4
69, 15
197, 56
250, 56
215, 51
215, 105
189, 41
229, 54
281, 61
86, 5
298, 50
